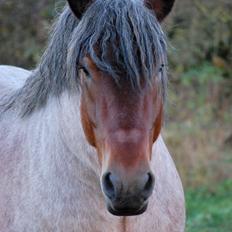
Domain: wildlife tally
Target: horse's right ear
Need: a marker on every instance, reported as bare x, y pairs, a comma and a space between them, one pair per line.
161, 8
78, 7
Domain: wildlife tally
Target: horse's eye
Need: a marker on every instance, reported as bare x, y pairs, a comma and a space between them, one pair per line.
83, 69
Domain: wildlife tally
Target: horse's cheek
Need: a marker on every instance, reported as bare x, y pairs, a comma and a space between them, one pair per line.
158, 124
87, 126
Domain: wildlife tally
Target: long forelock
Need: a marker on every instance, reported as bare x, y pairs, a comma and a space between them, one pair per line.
121, 37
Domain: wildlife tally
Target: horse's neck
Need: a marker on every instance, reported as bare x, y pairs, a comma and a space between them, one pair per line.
57, 128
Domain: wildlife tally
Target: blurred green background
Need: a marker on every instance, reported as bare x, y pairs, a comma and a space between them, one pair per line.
198, 128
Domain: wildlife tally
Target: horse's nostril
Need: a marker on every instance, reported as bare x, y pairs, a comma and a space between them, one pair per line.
149, 184
115, 188
108, 185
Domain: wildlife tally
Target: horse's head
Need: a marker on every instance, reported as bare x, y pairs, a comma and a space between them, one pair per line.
122, 85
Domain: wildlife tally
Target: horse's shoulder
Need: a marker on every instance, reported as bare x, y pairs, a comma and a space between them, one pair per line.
168, 185
163, 162
160, 146
12, 77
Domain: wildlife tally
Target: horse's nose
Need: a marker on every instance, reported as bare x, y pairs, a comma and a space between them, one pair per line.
111, 185
116, 187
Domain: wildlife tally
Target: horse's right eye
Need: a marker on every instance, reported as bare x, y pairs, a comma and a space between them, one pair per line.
84, 70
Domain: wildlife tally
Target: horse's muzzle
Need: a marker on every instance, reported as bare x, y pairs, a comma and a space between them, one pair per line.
127, 196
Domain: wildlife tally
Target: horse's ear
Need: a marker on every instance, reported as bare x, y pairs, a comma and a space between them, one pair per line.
78, 7
161, 7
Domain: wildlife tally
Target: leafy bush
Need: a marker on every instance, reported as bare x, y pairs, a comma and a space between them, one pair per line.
201, 30
23, 30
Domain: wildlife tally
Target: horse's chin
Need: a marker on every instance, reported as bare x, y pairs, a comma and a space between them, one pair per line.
127, 211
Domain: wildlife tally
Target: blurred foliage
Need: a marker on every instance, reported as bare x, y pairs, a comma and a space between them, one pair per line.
202, 87
201, 30
199, 113
24, 26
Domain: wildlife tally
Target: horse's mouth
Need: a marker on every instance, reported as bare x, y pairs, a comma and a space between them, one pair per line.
127, 211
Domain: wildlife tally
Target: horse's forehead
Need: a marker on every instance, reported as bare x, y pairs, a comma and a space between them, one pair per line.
90, 64
121, 84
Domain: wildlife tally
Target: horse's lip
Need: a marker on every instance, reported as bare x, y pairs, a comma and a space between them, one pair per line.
127, 211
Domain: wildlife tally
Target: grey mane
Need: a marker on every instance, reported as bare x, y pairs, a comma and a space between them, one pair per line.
129, 41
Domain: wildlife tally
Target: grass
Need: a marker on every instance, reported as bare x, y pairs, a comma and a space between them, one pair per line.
210, 209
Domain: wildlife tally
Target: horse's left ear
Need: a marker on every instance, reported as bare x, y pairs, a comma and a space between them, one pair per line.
78, 7
161, 7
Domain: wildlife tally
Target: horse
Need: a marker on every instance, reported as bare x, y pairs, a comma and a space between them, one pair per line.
80, 135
